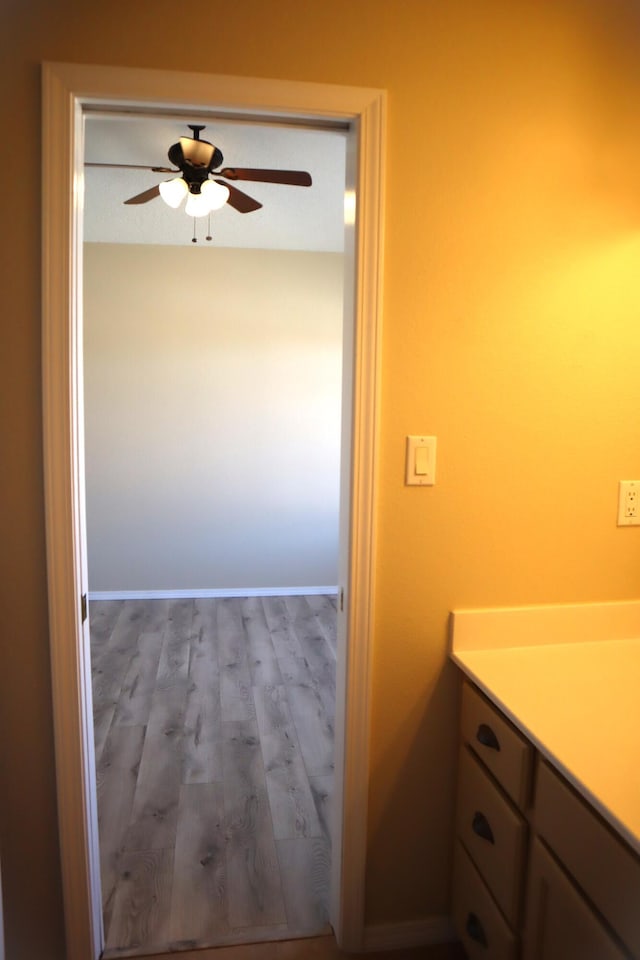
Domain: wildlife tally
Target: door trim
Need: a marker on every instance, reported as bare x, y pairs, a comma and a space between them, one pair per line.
69, 90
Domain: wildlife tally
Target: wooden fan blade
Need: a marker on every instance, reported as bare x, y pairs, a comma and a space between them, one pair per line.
295, 178
240, 201
134, 166
145, 196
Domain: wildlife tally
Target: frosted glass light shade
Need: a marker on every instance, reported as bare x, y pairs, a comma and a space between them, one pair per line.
196, 205
216, 194
173, 191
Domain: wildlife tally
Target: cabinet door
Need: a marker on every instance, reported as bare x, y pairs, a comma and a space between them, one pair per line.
602, 865
559, 923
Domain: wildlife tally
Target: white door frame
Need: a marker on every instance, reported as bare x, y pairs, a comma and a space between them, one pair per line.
68, 90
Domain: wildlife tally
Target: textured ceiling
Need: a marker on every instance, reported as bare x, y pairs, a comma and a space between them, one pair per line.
292, 218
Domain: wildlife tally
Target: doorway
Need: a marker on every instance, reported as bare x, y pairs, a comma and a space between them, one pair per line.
212, 388
68, 90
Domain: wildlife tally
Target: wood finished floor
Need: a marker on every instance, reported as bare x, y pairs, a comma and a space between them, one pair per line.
319, 948
213, 724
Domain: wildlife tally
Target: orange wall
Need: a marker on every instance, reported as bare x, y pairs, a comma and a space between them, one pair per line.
511, 331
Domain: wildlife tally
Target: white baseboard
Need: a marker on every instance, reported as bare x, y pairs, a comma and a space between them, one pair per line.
207, 593
413, 933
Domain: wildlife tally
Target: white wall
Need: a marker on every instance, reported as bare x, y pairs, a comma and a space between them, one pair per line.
212, 396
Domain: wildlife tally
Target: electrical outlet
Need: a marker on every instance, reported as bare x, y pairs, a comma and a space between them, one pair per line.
629, 503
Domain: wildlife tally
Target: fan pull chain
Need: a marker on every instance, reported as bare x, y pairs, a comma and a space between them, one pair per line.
209, 237
194, 239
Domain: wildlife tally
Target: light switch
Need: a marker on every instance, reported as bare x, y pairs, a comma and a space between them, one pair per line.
421, 461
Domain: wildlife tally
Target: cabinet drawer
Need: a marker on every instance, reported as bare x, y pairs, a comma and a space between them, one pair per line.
602, 865
493, 833
559, 923
498, 744
479, 924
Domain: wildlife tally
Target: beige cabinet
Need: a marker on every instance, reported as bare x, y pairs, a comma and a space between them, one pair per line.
605, 869
560, 924
481, 926
494, 833
537, 874
494, 779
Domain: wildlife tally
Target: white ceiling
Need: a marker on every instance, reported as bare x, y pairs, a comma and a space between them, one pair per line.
292, 218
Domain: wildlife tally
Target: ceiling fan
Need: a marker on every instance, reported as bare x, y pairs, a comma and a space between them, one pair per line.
194, 160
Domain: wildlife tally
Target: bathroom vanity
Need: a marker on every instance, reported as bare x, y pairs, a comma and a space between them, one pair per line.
547, 845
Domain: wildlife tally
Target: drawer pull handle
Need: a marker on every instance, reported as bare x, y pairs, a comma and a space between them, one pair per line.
482, 827
487, 737
476, 930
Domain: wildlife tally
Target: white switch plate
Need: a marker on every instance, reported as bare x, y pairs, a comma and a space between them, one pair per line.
420, 468
629, 503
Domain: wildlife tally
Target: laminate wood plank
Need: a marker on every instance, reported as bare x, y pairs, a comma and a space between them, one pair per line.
253, 876
322, 793
103, 615
142, 903
155, 806
116, 778
205, 618
304, 868
103, 713
199, 894
313, 643
155, 615
173, 668
263, 663
316, 651
313, 727
202, 743
293, 666
138, 686
180, 615
126, 629
235, 677
293, 810
326, 690
324, 607
109, 669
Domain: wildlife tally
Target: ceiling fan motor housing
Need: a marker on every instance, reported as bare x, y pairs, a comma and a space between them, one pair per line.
195, 158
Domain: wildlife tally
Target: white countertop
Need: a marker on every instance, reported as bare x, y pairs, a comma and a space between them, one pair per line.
578, 702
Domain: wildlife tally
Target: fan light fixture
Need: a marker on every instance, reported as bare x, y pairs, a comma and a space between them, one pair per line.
196, 205
212, 196
195, 160
174, 191
216, 193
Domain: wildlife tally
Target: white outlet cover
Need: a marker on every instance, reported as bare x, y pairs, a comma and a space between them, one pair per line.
629, 503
